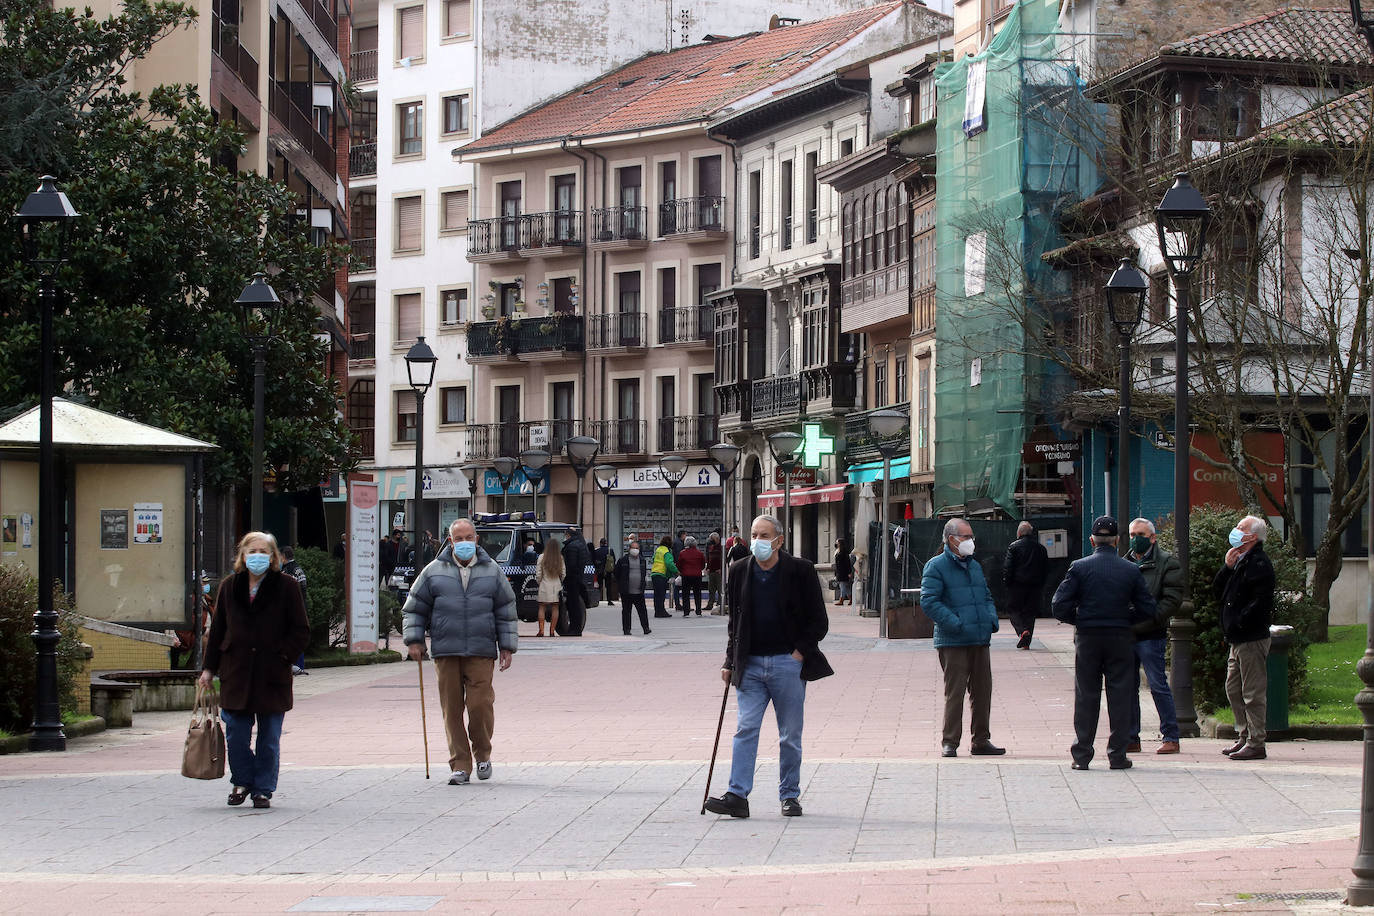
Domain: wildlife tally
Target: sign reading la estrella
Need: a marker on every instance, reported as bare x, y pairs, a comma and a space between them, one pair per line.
650, 477
439, 483
1042, 452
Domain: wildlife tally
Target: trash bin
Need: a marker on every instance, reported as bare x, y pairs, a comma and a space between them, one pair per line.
1276, 667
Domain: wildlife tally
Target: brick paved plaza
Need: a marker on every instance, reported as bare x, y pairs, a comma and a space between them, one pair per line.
601, 752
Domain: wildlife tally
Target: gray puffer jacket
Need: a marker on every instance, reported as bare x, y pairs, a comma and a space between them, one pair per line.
475, 621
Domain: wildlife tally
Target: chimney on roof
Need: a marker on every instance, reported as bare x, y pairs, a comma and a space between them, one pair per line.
781, 22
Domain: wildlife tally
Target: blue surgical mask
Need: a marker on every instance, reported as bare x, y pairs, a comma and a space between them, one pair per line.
257, 563
464, 550
1236, 537
762, 548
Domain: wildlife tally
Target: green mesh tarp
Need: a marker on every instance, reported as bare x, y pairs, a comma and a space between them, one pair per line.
997, 196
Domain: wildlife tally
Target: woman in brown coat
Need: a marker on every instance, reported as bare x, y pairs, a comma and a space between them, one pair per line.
259, 628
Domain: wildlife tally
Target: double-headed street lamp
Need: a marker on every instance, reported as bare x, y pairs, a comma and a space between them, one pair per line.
605, 475
886, 426
45, 227
535, 462
505, 470
420, 363
1125, 305
1182, 219
784, 447
582, 451
674, 468
259, 306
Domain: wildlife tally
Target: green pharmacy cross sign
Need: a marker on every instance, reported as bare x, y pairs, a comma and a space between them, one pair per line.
815, 445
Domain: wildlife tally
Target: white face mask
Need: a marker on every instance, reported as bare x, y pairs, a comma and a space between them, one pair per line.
634, 551
966, 548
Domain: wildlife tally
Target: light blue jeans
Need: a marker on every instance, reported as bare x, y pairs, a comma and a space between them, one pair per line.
776, 678
255, 771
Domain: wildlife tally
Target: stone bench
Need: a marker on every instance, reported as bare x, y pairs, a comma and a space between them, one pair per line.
113, 701
141, 691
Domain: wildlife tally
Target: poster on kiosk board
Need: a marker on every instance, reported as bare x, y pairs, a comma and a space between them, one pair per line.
362, 566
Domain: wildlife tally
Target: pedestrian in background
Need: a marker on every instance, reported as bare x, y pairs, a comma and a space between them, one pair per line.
844, 572
661, 570
631, 575
259, 626
773, 649
1164, 578
602, 564
548, 575
576, 561
691, 564
675, 582
297, 572
465, 604
1024, 570
955, 595
386, 556
1245, 590
715, 558
1102, 595
341, 548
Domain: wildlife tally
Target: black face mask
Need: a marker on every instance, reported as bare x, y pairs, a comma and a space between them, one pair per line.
1140, 545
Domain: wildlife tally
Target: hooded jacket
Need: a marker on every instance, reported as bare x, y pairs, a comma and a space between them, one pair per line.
474, 621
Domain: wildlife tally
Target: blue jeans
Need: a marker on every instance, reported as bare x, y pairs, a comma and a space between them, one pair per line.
1149, 653
776, 678
254, 770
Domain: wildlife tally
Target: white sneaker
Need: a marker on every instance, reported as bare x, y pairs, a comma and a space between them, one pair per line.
484, 769
458, 778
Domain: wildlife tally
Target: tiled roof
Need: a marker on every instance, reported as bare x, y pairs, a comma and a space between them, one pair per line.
1345, 121
688, 84
1287, 35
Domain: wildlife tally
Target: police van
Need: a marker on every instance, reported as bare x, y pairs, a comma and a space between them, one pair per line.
503, 534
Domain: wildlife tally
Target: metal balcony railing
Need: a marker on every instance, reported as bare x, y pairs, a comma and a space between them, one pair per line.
362, 66
367, 438
686, 434
510, 438
812, 224
362, 160
514, 336
363, 255
616, 223
617, 329
733, 401
224, 41
776, 396
488, 236
860, 443
686, 324
301, 126
834, 385
785, 235
619, 437
362, 346
550, 229
691, 214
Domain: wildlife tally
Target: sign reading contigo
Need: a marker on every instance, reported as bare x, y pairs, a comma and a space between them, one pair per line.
1043, 452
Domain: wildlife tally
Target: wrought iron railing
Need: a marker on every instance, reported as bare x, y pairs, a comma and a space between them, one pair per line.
488, 236
685, 434
616, 329
551, 228
362, 66
685, 324
362, 160
363, 255
615, 223
691, 214
362, 346
776, 396
514, 336
733, 402
493, 440
619, 437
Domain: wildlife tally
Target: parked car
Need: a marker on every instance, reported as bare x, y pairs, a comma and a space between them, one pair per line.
504, 541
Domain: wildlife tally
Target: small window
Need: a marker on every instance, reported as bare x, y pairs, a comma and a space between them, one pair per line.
846, 147
456, 108
454, 213
455, 404
410, 34
453, 306
405, 415
457, 18
408, 325
409, 224
410, 128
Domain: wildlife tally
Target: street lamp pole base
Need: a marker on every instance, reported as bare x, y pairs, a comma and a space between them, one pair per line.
1181, 630
1360, 891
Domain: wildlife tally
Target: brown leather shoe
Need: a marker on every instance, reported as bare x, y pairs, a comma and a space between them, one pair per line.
1168, 747
1235, 747
1249, 753
1133, 747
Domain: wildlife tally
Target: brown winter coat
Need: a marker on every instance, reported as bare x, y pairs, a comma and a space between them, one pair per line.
252, 645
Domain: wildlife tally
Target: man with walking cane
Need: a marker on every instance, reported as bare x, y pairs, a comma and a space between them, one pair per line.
466, 605
777, 620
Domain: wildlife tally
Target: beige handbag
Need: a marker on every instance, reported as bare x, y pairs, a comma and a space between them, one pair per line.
203, 757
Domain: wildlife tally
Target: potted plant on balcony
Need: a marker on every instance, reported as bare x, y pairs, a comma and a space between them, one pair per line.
507, 327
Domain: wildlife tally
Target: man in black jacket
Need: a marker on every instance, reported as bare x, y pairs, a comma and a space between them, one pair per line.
1102, 595
776, 624
1245, 590
1023, 573
1164, 578
576, 559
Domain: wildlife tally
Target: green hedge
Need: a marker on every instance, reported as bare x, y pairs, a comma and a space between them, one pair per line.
324, 597
18, 604
1208, 527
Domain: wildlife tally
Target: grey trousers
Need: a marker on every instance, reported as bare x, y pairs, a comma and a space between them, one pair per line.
968, 669
1247, 688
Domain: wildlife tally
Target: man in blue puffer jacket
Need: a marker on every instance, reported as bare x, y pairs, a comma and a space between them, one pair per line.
467, 606
955, 595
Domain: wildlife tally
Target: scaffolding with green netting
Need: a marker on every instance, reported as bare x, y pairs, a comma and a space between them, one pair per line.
1006, 167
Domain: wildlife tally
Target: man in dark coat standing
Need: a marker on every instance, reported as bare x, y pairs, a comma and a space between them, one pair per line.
776, 624
576, 559
599, 567
1102, 596
1023, 573
1164, 578
1245, 590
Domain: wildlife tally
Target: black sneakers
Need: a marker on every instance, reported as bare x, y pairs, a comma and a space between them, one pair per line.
731, 804
791, 808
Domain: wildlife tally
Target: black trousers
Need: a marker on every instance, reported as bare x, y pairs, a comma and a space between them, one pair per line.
627, 602
1102, 655
1023, 604
691, 586
575, 607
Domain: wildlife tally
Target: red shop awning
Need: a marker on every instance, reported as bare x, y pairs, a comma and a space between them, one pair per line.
804, 496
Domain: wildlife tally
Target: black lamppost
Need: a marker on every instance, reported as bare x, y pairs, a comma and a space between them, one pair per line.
420, 362
582, 451
1182, 218
674, 468
1360, 890
259, 306
726, 457
45, 222
605, 475
535, 462
886, 426
1125, 305
784, 447
505, 470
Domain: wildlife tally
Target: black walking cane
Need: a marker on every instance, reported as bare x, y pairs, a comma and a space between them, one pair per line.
715, 747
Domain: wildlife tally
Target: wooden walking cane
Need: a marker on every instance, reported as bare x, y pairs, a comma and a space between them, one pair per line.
714, 748
424, 723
